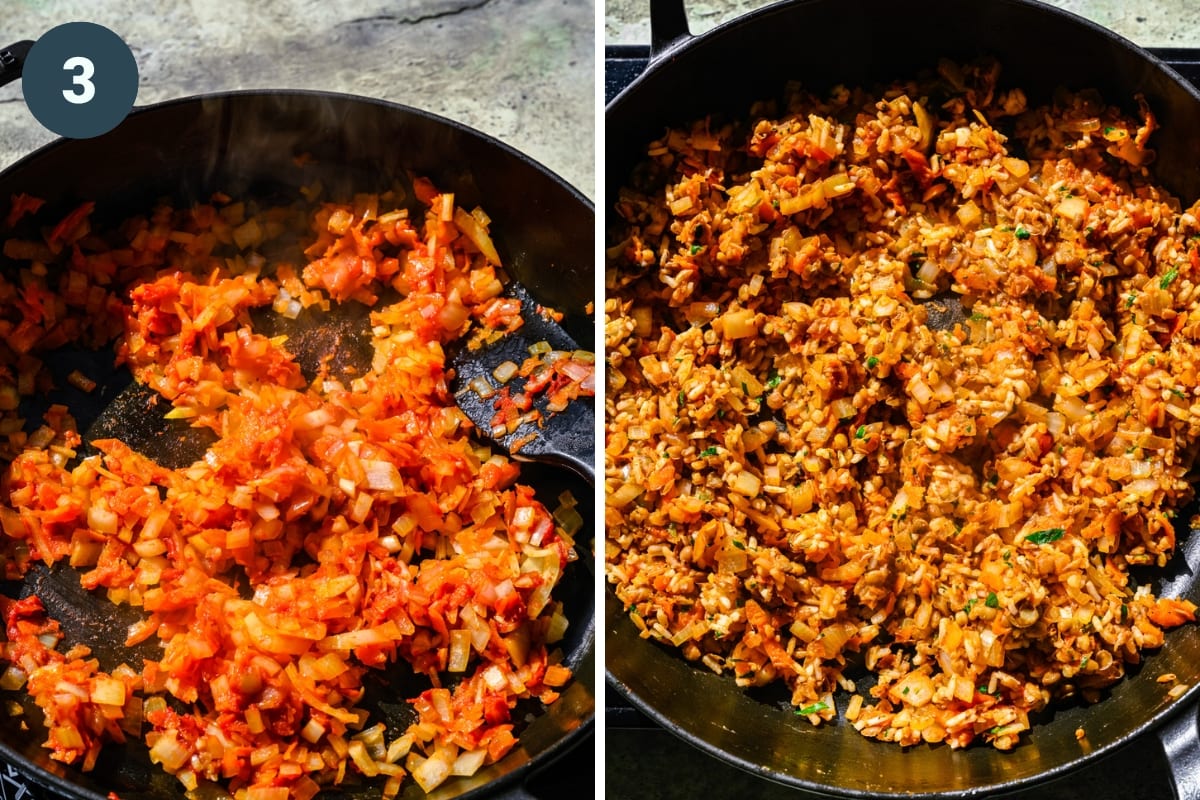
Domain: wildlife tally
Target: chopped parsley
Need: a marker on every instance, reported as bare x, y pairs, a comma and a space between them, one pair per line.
804, 711
872, 362
1179, 393
1108, 130
696, 248
978, 316
992, 601
861, 433
1169, 278
1045, 536
970, 604
739, 545
1129, 300
1022, 232
708, 451
774, 380
681, 399
745, 389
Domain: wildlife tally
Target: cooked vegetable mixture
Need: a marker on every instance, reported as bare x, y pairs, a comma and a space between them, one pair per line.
337, 524
814, 461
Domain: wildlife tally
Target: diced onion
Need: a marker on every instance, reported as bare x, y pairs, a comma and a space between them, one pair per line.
460, 650
505, 371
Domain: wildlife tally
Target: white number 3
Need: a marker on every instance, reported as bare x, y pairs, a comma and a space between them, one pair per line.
84, 89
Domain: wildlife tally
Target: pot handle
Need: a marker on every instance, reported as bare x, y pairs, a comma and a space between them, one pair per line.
12, 61
668, 26
1180, 739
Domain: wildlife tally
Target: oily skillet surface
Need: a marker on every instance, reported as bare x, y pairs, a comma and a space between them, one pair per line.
823, 43
246, 144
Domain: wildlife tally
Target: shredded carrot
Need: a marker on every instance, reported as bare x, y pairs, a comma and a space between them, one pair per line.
368, 524
22, 204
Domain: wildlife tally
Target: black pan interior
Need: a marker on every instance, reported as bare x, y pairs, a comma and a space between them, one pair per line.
247, 145
823, 43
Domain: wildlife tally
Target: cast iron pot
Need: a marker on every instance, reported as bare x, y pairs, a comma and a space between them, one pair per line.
247, 145
823, 43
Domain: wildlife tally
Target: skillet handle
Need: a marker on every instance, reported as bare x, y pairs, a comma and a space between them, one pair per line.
1180, 739
668, 27
12, 61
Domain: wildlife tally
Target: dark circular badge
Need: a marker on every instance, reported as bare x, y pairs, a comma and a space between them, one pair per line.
80, 80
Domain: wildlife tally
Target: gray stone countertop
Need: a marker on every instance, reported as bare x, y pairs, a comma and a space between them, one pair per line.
519, 70
1150, 23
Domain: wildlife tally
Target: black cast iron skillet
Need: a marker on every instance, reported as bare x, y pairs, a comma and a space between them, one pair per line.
246, 144
859, 43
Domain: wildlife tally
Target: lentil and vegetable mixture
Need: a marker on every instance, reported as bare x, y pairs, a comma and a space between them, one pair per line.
816, 469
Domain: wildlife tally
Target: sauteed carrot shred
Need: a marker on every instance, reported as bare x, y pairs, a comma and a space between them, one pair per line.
338, 525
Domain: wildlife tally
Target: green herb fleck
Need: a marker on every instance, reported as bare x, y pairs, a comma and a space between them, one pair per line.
978, 316
720, 413
696, 248
1022, 232
1129, 300
739, 545
872, 362
861, 433
1179, 393
1045, 536
904, 690
992, 601
812, 709
1108, 130
1083, 662
708, 451
774, 380
1124, 612
745, 390
1169, 278
681, 399
970, 604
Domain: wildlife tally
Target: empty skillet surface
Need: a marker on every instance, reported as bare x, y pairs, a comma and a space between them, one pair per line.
248, 145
